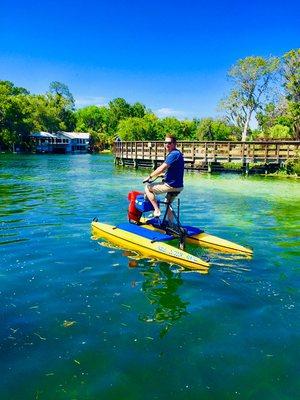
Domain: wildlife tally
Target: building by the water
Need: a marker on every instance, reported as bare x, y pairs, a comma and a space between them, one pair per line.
61, 142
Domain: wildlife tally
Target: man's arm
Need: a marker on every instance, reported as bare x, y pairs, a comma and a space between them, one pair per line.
159, 170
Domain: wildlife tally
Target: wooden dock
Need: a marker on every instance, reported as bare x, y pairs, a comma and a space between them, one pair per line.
207, 155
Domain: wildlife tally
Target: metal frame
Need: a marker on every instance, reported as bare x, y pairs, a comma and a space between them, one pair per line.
174, 229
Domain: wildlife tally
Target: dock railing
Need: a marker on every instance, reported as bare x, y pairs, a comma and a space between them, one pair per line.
150, 153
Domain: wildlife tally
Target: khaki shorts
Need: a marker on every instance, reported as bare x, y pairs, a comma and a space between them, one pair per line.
161, 188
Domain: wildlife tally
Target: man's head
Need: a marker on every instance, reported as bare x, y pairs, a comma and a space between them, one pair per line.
170, 142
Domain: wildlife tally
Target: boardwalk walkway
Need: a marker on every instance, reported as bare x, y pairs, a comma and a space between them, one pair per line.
206, 155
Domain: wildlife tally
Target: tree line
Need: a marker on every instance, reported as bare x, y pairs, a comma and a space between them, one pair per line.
263, 88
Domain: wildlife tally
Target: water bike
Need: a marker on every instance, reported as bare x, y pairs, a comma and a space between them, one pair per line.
157, 237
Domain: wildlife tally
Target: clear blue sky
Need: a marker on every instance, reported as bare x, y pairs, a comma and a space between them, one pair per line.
172, 56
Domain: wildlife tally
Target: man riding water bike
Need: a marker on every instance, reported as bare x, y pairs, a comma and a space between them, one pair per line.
173, 169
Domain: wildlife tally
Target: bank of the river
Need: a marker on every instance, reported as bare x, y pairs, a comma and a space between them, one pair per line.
289, 169
82, 320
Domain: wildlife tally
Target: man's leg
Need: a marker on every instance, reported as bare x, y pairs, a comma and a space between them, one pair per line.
152, 199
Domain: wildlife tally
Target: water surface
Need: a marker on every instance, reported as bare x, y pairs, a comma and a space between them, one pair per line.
80, 320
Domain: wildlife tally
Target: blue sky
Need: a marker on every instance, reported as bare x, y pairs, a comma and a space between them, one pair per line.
172, 56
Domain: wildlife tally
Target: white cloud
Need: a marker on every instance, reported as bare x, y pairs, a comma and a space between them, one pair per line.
89, 101
169, 112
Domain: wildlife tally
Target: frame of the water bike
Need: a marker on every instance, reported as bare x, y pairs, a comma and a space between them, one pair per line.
174, 229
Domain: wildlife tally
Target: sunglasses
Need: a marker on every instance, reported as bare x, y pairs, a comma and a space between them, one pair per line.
168, 143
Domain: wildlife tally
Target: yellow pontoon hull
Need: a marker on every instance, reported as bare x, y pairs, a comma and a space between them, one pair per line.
216, 243
147, 248
212, 242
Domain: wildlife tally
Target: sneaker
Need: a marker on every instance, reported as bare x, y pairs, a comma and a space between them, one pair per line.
156, 213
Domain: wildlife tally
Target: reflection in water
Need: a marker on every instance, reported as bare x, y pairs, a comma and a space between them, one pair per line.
132, 263
160, 287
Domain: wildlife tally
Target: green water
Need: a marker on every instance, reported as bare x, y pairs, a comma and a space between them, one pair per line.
77, 322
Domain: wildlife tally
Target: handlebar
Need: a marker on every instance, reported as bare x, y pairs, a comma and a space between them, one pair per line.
153, 179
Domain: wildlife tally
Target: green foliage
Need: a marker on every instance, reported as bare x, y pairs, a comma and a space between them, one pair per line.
118, 109
22, 113
291, 73
92, 119
279, 132
61, 103
118, 119
216, 129
286, 111
135, 128
48, 115
255, 134
100, 141
8, 88
15, 125
151, 128
60, 92
138, 110
294, 115
189, 130
168, 125
292, 167
235, 166
276, 132
252, 78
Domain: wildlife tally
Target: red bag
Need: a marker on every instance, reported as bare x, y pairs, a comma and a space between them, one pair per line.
134, 215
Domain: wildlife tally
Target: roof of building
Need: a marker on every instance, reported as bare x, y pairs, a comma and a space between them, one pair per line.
74, 135
68, 135
42, 134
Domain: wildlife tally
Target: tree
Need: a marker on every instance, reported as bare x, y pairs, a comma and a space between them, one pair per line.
41, 114
252, 78
138, 110
62, 104
118, 109
279, 132
15, 123
169, 125
92, 118
216, 129
11, 89
135, 128
274, 114
188, 129
291, 75
100, 141
60, 90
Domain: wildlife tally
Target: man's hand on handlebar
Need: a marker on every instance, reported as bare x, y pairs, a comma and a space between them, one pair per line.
148, 179
151, 179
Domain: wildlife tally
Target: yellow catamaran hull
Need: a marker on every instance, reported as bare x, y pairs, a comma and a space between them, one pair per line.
148, 248
216, 243
212, 242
